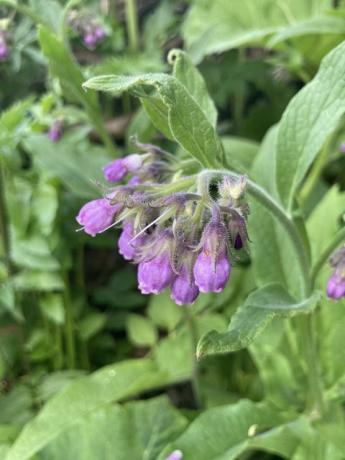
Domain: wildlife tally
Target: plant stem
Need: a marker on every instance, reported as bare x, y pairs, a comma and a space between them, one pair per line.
327, 252
132, 25
69, 326
195, 374
4, 230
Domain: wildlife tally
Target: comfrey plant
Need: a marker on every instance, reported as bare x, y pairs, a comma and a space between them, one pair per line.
183, 232
91, 31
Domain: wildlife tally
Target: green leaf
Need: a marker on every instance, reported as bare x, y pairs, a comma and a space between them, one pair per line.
49, 11
273, 254
240, 153
141, 331
158, 113
312, 115
63, 66
221, 433
136, 431
31, 280
190, 77
187, 122
221, 25
164, 312
80, 399
63, 159
91, 324
260, 308
52, 306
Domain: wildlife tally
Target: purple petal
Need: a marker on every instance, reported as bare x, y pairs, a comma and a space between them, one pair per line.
115, 171
95, 216
335, 287
184, 290
155, 275
211, 276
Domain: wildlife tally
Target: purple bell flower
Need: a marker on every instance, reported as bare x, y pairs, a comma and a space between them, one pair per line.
336, 286
176, 455
184, 290
212, 267
135, 180
211, 275
96, 215
4, 51
127, 247
118, 169
156, 274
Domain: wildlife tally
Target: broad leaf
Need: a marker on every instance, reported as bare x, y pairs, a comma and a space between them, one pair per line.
260, 308
188, 123
190, 77
222, 433
135, 431
222, 24
312, 115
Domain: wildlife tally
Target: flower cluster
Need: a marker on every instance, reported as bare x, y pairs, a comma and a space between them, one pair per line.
336, 282
183, 232
87, 27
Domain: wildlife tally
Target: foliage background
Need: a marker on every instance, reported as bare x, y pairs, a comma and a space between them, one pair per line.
89, 368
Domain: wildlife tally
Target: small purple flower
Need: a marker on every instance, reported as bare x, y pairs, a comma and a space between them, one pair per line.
4, 51
184, 290
336, 286
115, 171
54, 132
99, 33
96, 215
342, 147
134, 180
212, 267
118, 169
127, 247
176, 455
90, 40
211, 275
156, 274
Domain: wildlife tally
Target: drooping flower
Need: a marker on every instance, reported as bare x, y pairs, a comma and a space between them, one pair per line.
97, 215
118, 169
184, 290
176, 455
336, 282
155, 271
127, 244
212, 267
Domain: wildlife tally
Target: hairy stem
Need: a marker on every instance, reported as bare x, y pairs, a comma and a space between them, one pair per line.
132, 25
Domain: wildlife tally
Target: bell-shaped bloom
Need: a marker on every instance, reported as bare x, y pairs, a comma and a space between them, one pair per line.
127, 246
211, 273
336, 286
97, 215
176, 455
156, 274
184, 290
4, 50
118, 169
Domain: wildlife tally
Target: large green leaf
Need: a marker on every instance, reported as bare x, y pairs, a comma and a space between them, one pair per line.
135, 431
188, 123
222, 433
217, 26
260, 308
190, 77
309, 119
272, 252
81, 398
